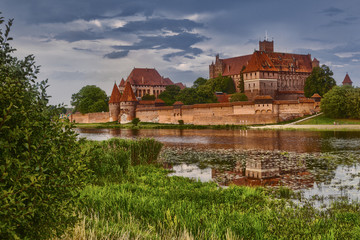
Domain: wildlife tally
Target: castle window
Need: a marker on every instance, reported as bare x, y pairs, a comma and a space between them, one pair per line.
254, 84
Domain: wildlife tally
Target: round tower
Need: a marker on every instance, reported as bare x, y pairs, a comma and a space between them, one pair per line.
114, 104
128, 105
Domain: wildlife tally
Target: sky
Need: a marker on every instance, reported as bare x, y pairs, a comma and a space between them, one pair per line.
91, 42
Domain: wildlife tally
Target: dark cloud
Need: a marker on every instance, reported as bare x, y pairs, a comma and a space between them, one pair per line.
73, 36
182, 41
192, 51
83, 49
117, 54
332, 11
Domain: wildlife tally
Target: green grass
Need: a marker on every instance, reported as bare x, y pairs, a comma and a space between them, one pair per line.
148, 125
144, 203
323, 120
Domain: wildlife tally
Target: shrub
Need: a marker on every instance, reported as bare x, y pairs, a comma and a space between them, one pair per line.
41, 168
181, 122
135, 121
237, 97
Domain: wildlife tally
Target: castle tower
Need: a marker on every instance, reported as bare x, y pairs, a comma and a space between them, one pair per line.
315, 63
114, 104
122, 85
347, 81
266, 46
128, 104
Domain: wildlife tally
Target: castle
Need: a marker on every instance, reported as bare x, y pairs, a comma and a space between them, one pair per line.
265, 72
274, 83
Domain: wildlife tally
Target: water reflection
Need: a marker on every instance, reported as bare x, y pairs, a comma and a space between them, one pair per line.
292, 141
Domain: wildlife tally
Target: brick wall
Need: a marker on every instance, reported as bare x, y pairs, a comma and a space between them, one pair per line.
99, 117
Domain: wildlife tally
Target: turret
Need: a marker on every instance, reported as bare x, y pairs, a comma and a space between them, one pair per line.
114, 104
128, 104
315, 63
347, 80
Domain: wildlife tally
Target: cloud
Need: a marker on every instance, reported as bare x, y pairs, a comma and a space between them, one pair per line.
173, 25
332, 11
74, 36
117, 54
192, 51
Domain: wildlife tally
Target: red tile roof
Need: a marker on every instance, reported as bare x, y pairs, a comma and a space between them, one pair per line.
115, 95
347, 79
316, 96
182, 86
233, 66
263, 97
147, 76
146, 102
122, 83
285, 61
221, 98
260, 61
158, 100
178, 103
128, 94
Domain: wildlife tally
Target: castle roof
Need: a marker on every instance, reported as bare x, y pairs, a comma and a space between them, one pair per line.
147, 76
158, 100
347, 79
178, 103
260, 61
122, 83
233, 66
291, 61
128, 94
115, 95
316, 95
181, 85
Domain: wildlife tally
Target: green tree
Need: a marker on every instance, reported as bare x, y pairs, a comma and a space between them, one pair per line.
341, 102
221, 84
241, 83
205, 94
148, 97
198, 82
90, 99
170, 94
41, 168
238, 97
320, 81
188, 96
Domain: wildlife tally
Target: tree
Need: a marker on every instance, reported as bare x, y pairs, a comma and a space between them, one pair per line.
320, 81
238, 97
148, 97
169, 95
41, 167
341, 102
241, 83
188, 96
198, 82
90, 99
221, 84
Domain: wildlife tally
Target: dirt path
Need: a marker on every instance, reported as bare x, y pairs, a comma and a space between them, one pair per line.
312, 127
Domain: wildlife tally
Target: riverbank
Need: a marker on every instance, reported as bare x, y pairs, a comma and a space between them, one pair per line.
309, 127
146, 125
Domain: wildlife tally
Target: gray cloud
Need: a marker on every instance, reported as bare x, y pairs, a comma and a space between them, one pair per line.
332, 11
117, 54
73, 36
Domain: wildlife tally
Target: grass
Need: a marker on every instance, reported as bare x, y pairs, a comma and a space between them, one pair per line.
144, 203
323, 120
148, 125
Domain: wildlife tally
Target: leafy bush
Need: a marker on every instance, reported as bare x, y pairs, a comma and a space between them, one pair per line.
237, 97
342, 102
41, 168
181, 122
135, 121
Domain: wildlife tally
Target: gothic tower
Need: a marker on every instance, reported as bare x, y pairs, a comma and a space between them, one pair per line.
114, 104
128, 104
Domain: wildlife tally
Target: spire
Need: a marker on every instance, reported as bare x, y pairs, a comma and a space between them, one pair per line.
347, 80
115, 95
128, 94
122, 83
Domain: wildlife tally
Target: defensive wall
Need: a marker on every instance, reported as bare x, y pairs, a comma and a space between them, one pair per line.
263, 110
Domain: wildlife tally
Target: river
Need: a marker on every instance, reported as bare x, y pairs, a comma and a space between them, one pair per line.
321, 164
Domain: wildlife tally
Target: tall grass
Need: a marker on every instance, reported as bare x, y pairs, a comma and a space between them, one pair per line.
110, 160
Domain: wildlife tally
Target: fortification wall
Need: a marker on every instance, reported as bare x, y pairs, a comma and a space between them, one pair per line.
99, 117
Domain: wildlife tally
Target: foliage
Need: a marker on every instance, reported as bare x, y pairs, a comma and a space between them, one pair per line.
198, 82
169, 95
322, 119
341, 102
90, 99
110, 160
221, 84
181, 122
135, 121
188, 96
205, 94
241, 83
168, 207
148, 97
238, 97
41, 168
320, 81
